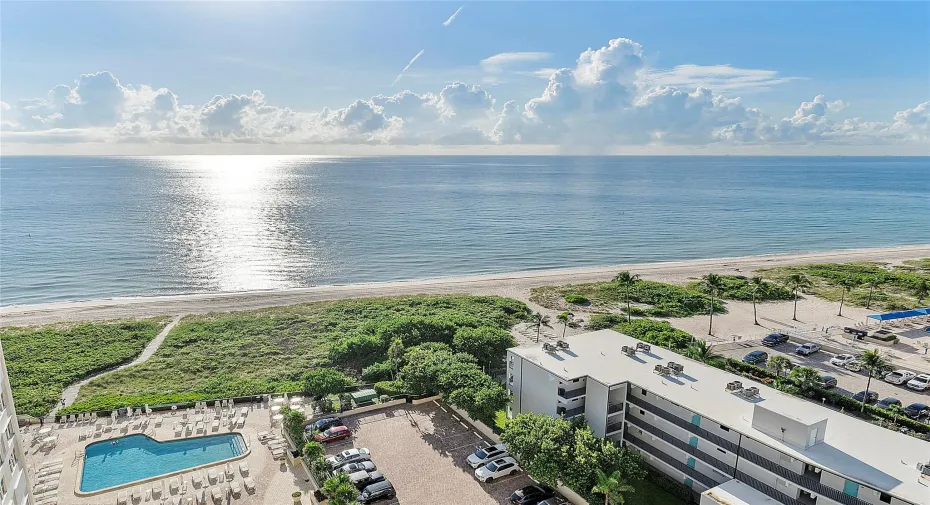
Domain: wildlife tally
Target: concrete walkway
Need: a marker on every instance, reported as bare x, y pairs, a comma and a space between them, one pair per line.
71, 392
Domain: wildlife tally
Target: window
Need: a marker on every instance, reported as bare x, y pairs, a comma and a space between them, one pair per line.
511, 363
885, 497
2, 487
724, 428
642, 412
643, 391
510, 379
9, 431
780, 482
721, 451
575, 380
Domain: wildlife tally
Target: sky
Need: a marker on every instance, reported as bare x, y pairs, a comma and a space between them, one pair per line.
444, 77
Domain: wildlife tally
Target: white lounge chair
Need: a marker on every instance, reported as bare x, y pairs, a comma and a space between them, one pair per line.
202, 497
156, 489
225, 490
176, 500
249, 484
121, 498
211, 475
173, 485
137, 493
264, 435
197, 479
229, 472
244, 468
235, 488
178, 429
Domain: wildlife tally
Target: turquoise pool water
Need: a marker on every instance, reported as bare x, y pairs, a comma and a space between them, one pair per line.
122, 460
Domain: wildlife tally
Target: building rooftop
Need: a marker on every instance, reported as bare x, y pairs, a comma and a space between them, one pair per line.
880, 458
734, 492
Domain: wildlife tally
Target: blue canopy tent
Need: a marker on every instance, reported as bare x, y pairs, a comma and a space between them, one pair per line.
887, 316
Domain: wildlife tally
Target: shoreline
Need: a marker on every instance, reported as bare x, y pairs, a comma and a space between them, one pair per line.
502, 284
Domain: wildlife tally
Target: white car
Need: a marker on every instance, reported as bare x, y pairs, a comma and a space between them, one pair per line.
807, 349
496, 469
349, 456
486, 455
919, 382
842, 359
899, 376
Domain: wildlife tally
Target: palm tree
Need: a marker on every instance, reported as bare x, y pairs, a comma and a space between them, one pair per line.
565, 318
874, 283
627, 280
340, 490
701, 351
873, 363
921, 290
539, 320
713, 284
847, 283
612, 487
795, 282
806, 378
757, 283
779, 365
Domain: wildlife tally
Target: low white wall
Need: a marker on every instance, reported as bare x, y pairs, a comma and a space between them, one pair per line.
426, 400
369, 408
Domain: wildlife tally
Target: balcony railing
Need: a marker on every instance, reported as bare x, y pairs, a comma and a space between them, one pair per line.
613, 408
613, 428
767, 489
680, 444
814, 486
706, 480
571, 393
687, 425
570, 413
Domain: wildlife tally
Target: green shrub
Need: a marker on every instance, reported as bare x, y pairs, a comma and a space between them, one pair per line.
738, 287
604, 321
391, 388
660, 333
41, 361
378, 372
660, 299
268, 350
577, 299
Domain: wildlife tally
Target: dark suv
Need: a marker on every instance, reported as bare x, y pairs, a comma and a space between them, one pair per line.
756, 358
773, 339
531, 495
383, 490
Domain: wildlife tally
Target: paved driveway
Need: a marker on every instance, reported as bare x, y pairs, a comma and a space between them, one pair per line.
849, 383
422, 450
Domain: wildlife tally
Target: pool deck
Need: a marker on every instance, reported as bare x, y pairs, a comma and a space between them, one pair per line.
274, 480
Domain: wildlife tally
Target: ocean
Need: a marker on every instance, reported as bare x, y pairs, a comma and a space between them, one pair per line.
75, 228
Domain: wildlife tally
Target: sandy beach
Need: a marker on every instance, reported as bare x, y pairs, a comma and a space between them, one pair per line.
516, 285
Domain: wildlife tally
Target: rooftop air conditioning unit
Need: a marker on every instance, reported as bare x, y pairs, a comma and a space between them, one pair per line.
751, 392
549, 347
676, 368
561, 344
646, 348
734, 386
629, 351
661, 370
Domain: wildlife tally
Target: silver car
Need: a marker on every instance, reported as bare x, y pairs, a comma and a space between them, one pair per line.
360, 466
349, 456
487, 454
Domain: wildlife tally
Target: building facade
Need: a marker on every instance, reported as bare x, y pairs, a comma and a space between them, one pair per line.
14, 485
705, 427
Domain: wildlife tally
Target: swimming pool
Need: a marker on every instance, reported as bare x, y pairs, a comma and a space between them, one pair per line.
110, 463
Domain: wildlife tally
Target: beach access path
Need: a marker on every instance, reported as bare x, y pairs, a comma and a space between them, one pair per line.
516, 285
70, 393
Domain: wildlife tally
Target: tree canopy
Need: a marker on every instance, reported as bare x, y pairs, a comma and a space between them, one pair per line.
326, 381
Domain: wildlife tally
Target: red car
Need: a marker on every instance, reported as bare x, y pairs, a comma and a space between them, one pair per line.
333, 434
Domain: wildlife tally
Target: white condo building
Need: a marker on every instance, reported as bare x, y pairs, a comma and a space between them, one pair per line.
14, 486
731, 440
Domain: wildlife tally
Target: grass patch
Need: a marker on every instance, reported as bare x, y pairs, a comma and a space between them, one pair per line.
42, 361
738, 287
652, 299
649, 494
266, 351
895, 292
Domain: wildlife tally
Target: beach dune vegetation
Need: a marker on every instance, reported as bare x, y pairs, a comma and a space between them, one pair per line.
639, 298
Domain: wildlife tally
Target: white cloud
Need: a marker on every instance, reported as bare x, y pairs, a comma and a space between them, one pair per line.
453, 16
498, 62
720, 78
412, 60
607, 101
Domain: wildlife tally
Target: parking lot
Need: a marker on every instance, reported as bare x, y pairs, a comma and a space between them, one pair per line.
422, 450
849, 382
